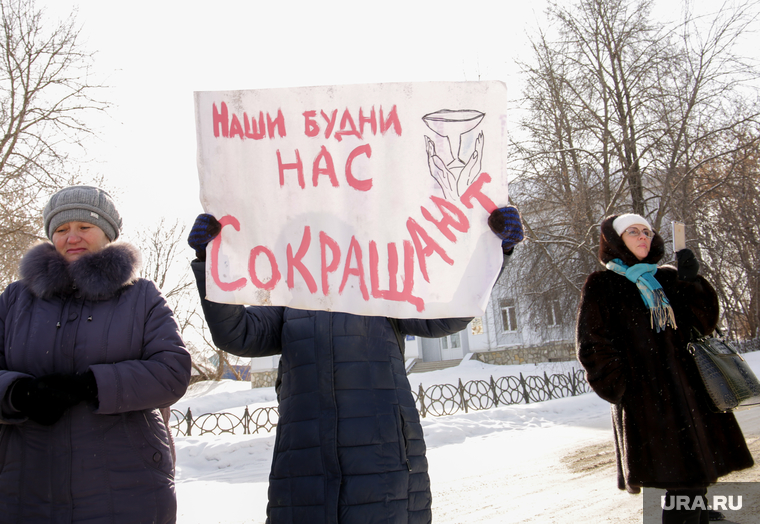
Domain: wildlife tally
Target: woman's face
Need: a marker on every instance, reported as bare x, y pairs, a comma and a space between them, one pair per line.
74, 239
638, 244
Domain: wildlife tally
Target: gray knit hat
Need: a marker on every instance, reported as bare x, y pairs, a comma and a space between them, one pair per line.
82, 204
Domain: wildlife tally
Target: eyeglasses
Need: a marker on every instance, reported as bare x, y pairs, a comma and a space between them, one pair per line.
636, 232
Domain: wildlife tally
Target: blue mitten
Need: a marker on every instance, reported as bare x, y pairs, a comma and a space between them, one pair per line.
506, 224
204, 230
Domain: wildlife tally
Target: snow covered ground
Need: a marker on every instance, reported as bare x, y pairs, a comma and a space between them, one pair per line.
546, 462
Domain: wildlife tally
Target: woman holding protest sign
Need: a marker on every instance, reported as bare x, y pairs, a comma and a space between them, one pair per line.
89, 352
634, 323
349, 445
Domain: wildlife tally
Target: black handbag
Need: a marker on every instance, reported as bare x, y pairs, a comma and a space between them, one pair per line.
728, 378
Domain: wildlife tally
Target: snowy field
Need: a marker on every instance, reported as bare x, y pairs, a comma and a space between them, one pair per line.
546, 462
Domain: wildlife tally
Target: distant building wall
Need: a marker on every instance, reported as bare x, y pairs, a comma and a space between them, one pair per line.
551, 352
263, 379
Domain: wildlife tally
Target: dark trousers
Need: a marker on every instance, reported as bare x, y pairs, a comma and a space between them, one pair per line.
680, 514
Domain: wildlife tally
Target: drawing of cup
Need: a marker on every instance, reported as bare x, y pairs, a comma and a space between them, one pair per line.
452, 124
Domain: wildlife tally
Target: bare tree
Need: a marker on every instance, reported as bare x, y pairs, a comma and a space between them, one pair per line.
622, 111
44, 93
729, 231
165, 262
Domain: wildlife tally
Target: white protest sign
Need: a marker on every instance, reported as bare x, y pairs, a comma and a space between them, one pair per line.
367, 199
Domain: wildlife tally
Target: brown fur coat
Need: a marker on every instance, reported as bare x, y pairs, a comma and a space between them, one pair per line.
665, 436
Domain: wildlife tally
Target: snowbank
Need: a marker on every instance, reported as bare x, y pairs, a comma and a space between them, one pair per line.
543, 462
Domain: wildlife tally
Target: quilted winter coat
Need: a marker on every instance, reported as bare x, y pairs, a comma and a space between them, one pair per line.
109, 462
349, 446
665, 435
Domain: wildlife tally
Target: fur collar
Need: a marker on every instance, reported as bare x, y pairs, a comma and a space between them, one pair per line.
98, 276
611, 246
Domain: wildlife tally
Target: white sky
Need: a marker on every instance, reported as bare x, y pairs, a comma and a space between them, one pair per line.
154, 54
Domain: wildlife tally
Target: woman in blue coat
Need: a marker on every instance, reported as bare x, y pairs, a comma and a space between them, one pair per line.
88, 353
349, 446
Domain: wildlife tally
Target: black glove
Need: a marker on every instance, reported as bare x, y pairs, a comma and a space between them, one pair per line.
77, 388
205, 228
45, 399
505, 223
688, 267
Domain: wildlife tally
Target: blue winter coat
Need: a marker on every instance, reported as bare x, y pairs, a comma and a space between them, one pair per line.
109, 462
349, 446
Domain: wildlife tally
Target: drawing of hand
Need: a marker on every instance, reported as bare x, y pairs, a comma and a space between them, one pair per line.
471, 169
440, 172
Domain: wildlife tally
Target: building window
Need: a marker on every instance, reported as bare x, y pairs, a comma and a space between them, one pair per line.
508, 316
553, 313
451, 342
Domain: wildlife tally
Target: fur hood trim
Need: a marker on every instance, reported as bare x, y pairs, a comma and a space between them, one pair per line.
98, 276
612, 246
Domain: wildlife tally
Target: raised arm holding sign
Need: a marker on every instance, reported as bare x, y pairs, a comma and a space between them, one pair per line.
369, 199
349, 443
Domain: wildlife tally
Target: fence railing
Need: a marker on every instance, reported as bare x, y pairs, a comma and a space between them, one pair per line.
477, 395
747, 346
250, 423
438, 400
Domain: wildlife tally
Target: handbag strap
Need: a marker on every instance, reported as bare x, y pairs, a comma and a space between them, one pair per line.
697, 336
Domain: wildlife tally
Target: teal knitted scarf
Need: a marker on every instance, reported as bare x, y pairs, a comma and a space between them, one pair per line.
660, 312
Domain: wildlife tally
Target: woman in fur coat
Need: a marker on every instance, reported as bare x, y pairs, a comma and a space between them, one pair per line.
634, 323
88, 353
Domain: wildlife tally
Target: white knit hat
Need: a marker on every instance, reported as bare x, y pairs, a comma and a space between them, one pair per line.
623, 222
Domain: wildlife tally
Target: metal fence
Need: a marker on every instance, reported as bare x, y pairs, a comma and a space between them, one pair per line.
477, 395
252, 422
437, 400
747, 346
